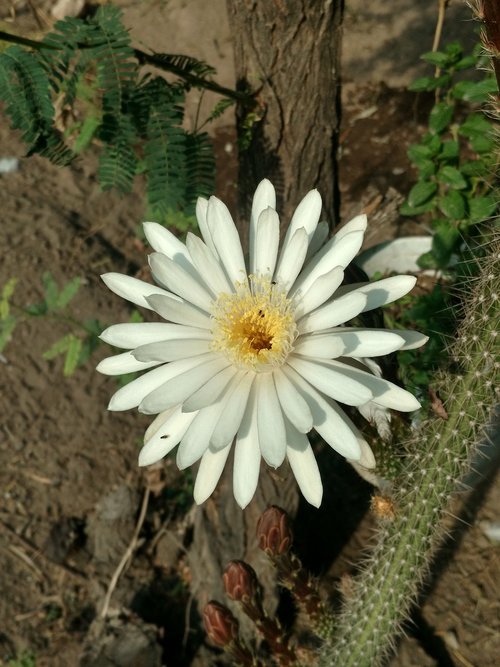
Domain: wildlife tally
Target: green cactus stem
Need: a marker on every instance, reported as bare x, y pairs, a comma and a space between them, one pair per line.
439, 455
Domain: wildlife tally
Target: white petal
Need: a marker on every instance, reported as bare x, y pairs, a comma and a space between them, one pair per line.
413, 339
321, 346
162, 240
349, 343
178, 311
179, 387
267, 239
303, 464
383, 392
318, 238
207, 265
264, 197
247, 455
134, 334
226, 240
291, 259
180, 281
382, 291
201, 216
212, 389
123, 363
271, 426
132, 393
379, 417
171, 350
196, 439
306, 215
367, 459
330, 379
230, 419
339, 251
329, 420
333, 313
211, 466
320, 291
292, 403
132, 289
157, 422
166, 437
357, 224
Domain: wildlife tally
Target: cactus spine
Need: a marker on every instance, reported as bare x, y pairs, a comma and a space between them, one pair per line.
438, 457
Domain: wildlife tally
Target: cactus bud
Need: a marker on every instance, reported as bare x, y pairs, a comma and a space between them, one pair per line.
274, 532
240, 582
220, 624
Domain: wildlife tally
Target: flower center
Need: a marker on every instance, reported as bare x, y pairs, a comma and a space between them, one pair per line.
255, 327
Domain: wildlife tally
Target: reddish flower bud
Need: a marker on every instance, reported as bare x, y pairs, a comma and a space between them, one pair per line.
220, 624
240, 582
274, 532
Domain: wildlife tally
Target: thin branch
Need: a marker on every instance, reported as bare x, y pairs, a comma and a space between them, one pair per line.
144, 58
127, 555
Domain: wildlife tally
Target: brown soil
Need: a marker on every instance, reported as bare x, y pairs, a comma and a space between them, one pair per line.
71, 488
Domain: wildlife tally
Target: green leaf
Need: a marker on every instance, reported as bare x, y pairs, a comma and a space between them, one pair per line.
418, 152
433, 143
36, 309
440, 117
452, 177
72, 355
482, 143
474, 168
7, 292
421, 193
449, 150
454, 50
7, 326
57, 348
444, 242
421, 84
480, 91
427, 261
465, 63
87, 132
475, 123
426, 168
68, 292
408, 210
437, 58
481, 208
50, 289
452, 205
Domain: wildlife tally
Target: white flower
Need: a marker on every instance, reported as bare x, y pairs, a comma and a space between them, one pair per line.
259, 355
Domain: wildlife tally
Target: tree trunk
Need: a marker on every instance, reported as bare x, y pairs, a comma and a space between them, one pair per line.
288, 51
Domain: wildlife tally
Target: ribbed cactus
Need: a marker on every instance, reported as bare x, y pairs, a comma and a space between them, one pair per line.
439, 455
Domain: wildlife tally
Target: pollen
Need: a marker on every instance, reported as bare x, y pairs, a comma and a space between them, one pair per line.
254, 327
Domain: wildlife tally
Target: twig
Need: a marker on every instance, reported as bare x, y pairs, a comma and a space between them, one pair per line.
17, 551
31, 547
442, 5
144, 58
127, 556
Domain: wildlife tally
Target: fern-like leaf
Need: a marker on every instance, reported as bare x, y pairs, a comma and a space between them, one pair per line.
164, 148
24, 86
118, 162
183, 65
199, 169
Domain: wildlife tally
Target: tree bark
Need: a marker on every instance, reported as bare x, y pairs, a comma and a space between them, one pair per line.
289, 51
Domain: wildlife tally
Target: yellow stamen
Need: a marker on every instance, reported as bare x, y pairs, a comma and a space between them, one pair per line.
255, 328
